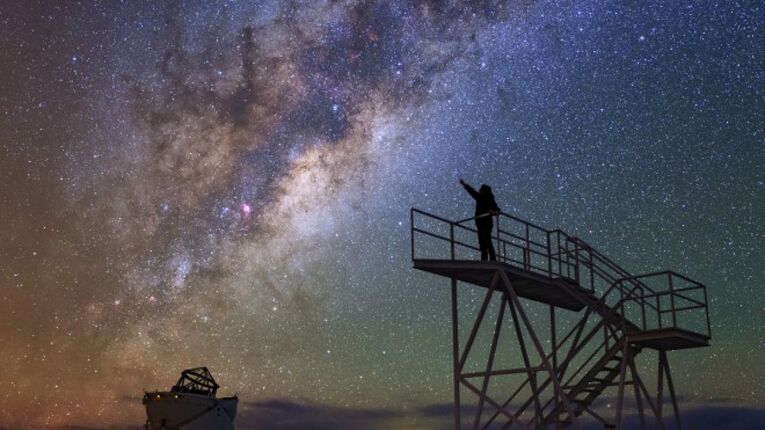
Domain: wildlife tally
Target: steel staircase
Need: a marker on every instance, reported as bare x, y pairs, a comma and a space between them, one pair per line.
621, 315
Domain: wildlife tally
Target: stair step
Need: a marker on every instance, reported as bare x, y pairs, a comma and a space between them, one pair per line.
592, 382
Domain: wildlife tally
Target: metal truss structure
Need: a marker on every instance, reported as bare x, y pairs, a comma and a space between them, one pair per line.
198, 380
600, 318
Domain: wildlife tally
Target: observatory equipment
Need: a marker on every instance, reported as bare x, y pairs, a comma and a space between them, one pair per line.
190, 405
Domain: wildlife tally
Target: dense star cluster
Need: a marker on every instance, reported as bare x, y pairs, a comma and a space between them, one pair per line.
228, 184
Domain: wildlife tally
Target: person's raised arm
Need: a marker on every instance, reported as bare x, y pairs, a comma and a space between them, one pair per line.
469, 189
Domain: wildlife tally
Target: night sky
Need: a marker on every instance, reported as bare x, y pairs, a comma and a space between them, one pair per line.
228, 184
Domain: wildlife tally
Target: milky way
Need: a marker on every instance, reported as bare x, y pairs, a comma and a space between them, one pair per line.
228, 184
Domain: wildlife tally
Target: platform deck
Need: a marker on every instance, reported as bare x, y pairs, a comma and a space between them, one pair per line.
560, 292
668, 339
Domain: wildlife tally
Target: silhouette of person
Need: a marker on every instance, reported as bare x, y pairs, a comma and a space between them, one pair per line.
485, 207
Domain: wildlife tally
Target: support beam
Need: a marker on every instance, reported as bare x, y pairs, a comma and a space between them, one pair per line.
456, 356
638, 399
503, 372
478, 321
671, 386
553, 375
526, 362
639, 383
554, 353
496, 405
575, 343
660, 389
492, 352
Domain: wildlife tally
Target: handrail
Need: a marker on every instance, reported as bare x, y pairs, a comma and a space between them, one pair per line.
596, 256
420, 211
676, 308
506, 215
555, 253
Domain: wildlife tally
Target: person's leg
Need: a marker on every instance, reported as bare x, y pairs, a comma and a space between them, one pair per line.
482, 245
490, 246
488, 228
484, 242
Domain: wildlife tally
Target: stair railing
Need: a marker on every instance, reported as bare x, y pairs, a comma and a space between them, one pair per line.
598, 266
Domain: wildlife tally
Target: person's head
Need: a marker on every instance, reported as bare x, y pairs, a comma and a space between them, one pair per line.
485, 189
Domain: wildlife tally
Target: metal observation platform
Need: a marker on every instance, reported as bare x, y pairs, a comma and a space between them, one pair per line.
581, 326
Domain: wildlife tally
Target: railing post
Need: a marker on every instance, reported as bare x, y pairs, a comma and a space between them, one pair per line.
658, 307
451, 239
527, 251
549, 256
411, 229
561, 249
563, 254
576, 261
672, 300
592, 272
499, 242
642, 304
558, 253
706, 311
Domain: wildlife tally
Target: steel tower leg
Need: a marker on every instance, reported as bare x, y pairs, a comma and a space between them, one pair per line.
641, 392
554, 342
532, 375
637, 391
665, 364
460, 358
641, 385
494, 341
456, 355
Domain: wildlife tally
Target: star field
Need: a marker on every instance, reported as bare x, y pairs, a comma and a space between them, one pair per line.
228, 184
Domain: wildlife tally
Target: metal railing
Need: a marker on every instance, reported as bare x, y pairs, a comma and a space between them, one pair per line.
517, 242
675, 301
655, 300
